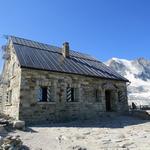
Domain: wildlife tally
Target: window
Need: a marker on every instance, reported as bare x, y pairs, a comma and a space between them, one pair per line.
44, 94
9, 97
98, 95
13, 69
71, 94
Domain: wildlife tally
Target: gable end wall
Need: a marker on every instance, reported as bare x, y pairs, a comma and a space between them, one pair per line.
13, 83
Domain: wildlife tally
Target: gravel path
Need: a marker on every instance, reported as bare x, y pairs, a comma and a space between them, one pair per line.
109, 133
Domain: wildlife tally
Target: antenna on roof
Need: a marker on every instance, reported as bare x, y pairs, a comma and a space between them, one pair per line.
4, 36
3, 47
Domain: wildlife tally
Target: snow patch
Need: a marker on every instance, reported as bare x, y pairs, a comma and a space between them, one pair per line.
137, 71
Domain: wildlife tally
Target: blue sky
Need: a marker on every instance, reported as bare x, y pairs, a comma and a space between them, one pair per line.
102, 28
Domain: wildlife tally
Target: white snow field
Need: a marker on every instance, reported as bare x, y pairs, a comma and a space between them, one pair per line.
107, 133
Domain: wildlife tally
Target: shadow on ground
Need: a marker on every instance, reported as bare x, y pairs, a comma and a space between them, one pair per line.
102, 122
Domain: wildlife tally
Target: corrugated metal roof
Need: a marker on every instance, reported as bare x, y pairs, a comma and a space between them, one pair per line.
41, 56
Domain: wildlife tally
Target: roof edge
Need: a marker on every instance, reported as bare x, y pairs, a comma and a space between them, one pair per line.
24, 67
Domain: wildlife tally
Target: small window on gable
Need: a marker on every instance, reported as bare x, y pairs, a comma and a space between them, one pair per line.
13, 69
71, 94
44, 94
98, 95
9, 97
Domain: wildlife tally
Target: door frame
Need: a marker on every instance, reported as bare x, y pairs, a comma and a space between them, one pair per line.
108, 104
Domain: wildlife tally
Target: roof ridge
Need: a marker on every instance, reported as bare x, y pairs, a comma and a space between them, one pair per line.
85, 55
12, 36
60, 53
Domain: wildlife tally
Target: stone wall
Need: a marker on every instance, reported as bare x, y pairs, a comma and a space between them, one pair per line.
11, 77
31, 110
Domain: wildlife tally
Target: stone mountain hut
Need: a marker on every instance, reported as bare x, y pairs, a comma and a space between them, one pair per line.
45, 83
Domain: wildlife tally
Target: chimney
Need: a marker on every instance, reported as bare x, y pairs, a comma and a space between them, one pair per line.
65, 49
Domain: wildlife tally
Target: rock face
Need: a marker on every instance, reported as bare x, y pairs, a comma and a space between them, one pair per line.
140, 67
138, 72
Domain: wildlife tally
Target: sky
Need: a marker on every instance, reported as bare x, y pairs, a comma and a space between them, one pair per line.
101, 28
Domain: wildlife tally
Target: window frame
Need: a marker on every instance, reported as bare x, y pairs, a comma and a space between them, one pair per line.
9, 97
42, 100
13, 69
74, 97
44, 94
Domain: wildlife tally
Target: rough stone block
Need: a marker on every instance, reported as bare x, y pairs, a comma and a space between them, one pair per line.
18, 124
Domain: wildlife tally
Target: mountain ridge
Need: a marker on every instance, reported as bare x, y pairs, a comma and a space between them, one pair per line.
137, 71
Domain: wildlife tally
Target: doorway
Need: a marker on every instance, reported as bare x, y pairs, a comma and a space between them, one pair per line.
108, 100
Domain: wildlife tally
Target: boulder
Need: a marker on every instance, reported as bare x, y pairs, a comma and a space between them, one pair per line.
19, 125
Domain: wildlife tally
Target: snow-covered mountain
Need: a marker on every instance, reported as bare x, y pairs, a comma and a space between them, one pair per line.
138, 72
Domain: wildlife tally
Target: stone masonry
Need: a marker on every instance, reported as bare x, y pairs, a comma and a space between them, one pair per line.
59, 110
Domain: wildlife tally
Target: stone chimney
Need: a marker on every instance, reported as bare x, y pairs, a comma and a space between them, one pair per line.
65, 49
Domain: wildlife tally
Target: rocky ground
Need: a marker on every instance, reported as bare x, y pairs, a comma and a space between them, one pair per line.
106, 133
9, 142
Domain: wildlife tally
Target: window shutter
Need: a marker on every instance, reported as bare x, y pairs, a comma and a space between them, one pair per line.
49, 93
68, 94
120, 96
39, 94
